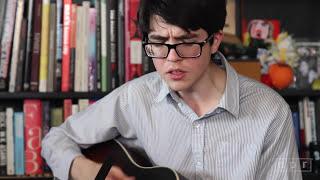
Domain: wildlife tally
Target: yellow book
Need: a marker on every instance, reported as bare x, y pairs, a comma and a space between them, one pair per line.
44, 49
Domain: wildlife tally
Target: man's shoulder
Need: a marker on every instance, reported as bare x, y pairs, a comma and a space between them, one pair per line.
253, 90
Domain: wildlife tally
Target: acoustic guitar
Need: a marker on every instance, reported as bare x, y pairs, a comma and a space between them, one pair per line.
130, 161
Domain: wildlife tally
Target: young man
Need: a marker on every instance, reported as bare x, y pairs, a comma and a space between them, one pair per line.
201, 119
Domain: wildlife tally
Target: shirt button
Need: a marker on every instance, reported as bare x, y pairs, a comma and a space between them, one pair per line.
198, 163
197, 126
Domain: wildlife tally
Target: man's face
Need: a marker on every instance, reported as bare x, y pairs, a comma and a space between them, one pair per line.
181, 74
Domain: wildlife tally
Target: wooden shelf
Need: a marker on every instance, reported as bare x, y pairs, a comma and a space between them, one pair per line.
298, 92
26, 177
310, 176
52, 95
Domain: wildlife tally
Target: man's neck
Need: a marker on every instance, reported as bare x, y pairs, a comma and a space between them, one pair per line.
206, 93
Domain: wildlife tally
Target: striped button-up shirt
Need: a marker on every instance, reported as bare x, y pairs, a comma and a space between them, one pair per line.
248, 136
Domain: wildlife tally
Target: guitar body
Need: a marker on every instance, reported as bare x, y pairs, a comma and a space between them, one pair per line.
130, 161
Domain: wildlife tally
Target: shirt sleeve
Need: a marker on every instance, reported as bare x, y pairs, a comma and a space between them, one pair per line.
101, 121
279, 158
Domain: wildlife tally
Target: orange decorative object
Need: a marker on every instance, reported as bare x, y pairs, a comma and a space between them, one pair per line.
281, 75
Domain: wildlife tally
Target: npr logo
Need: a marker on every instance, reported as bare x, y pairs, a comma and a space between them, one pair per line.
306, 164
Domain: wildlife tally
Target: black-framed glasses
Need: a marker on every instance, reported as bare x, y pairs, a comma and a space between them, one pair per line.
184, 50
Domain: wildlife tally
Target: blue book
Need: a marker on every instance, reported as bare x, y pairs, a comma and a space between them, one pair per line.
18, 121
296, 124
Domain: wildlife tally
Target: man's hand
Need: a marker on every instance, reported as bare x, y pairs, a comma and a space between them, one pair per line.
83, 168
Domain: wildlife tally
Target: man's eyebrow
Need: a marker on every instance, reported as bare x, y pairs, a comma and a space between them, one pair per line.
182, 37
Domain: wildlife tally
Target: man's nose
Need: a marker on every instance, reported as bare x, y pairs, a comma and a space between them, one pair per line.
173, 55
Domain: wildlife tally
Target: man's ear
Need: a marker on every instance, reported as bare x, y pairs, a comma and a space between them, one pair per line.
218, 36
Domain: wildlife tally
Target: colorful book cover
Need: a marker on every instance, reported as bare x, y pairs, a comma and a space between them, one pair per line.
58, 64
6, 42
32, 109
18, 121
92, 81
133, 41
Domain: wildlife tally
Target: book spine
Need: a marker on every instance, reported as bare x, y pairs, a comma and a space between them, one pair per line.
104, 63
98, 43
52, 46
73, 45
45, 129
56, 116
121, 61
16, 45
113, 29
44, 47
35, 57
67, 4
85, 46
22, 55
79, 49
58, 67
67, 108
27, 65
18, 143
2, 15
33, 133
6, 42
135, 42
92, 81
10, 143
3, 143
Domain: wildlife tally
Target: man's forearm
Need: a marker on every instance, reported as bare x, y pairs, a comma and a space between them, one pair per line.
83, 168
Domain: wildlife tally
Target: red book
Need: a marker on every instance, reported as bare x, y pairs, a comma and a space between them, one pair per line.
65, 79
133, 41
33, 136
67, 108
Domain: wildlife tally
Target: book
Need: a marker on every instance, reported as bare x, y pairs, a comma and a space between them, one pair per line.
18, 121
3, 142
133, 41
16, 45
6, 42
92, 64
10, 142
120, 24
73, 45
79, 49
32, 109
67, 108
2, 15
27, 64
58, 63
22, 55
52, 46
36, 41
98, 43
67, 4
44, 46
105, 80
113, 46
56, 116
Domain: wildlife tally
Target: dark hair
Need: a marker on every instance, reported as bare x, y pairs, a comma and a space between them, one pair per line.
209, 15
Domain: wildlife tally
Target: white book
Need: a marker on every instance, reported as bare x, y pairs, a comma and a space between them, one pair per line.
16, 45
307, 121
10, 141
312, 113
79, 44
85, 41
74, 109
83, 104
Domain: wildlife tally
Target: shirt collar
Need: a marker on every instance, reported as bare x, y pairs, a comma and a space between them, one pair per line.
230, 97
